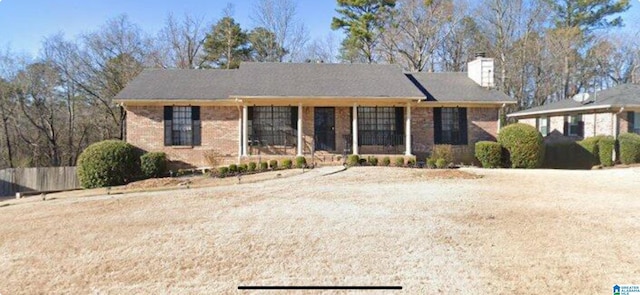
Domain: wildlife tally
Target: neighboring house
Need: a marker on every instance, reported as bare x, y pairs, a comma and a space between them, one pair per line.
264, 110
608, 112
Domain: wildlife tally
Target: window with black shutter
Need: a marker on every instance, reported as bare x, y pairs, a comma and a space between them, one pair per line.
450, 126
182, 126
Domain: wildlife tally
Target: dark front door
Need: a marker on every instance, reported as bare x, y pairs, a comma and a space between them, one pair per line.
325, 129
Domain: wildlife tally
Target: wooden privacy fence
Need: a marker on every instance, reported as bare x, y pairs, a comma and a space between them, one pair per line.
16, 180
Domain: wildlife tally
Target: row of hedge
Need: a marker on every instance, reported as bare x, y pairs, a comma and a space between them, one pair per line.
629, 144
252, 167
433, 162
355, 160
598, 150
519, 146
522, 146
583, 154
115, 162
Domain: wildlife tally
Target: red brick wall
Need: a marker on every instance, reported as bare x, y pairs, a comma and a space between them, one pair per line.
483, 124
421, 130
145, 129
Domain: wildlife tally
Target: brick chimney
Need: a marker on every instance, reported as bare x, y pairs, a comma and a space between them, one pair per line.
480, 70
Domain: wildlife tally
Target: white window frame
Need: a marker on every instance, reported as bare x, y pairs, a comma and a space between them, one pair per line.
182, 126
543, 122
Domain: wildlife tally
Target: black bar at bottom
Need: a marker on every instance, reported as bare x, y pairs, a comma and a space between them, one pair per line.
319, 287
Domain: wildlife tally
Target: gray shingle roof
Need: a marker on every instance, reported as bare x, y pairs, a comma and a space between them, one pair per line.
455, 87
615, 97
180, 84
307, 80
324, 80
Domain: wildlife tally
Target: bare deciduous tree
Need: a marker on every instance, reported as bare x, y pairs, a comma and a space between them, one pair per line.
181, 42
280, 18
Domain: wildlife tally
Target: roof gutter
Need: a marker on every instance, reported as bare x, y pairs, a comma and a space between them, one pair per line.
502, 103
524, 114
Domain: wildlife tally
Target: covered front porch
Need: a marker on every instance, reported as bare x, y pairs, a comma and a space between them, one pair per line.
304, 129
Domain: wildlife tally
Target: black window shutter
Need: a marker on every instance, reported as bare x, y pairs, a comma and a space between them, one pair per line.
437, 125
399, 120
250, 113
631, 118
168, 117
565, 127
294, 118
197, 130
581, 128
462, 121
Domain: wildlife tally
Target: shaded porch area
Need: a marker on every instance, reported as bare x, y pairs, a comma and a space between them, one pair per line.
325, 130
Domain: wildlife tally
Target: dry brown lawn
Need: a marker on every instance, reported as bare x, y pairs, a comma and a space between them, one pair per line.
471, 230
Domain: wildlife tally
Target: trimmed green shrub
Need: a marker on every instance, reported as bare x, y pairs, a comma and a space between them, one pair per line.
444, 151
441, 163
353, 160
233, 168
629, 148
411, 162
301, 162
153, 164
489, 153
431, 163
273, 164
591, 146
252, 166
287, 164
373, 161
264, 166
399, 162
108, 163
524, 145
223, 171
243, 168
606, 145
386, 161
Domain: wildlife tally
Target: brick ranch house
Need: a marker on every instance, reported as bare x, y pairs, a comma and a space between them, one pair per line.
608, 112
272, 110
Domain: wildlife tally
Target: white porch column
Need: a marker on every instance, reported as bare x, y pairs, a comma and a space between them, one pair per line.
300, 140
407, 131
354, 132
245, 130
239, 133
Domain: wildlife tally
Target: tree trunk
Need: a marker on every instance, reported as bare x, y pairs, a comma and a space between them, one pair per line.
7, 142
